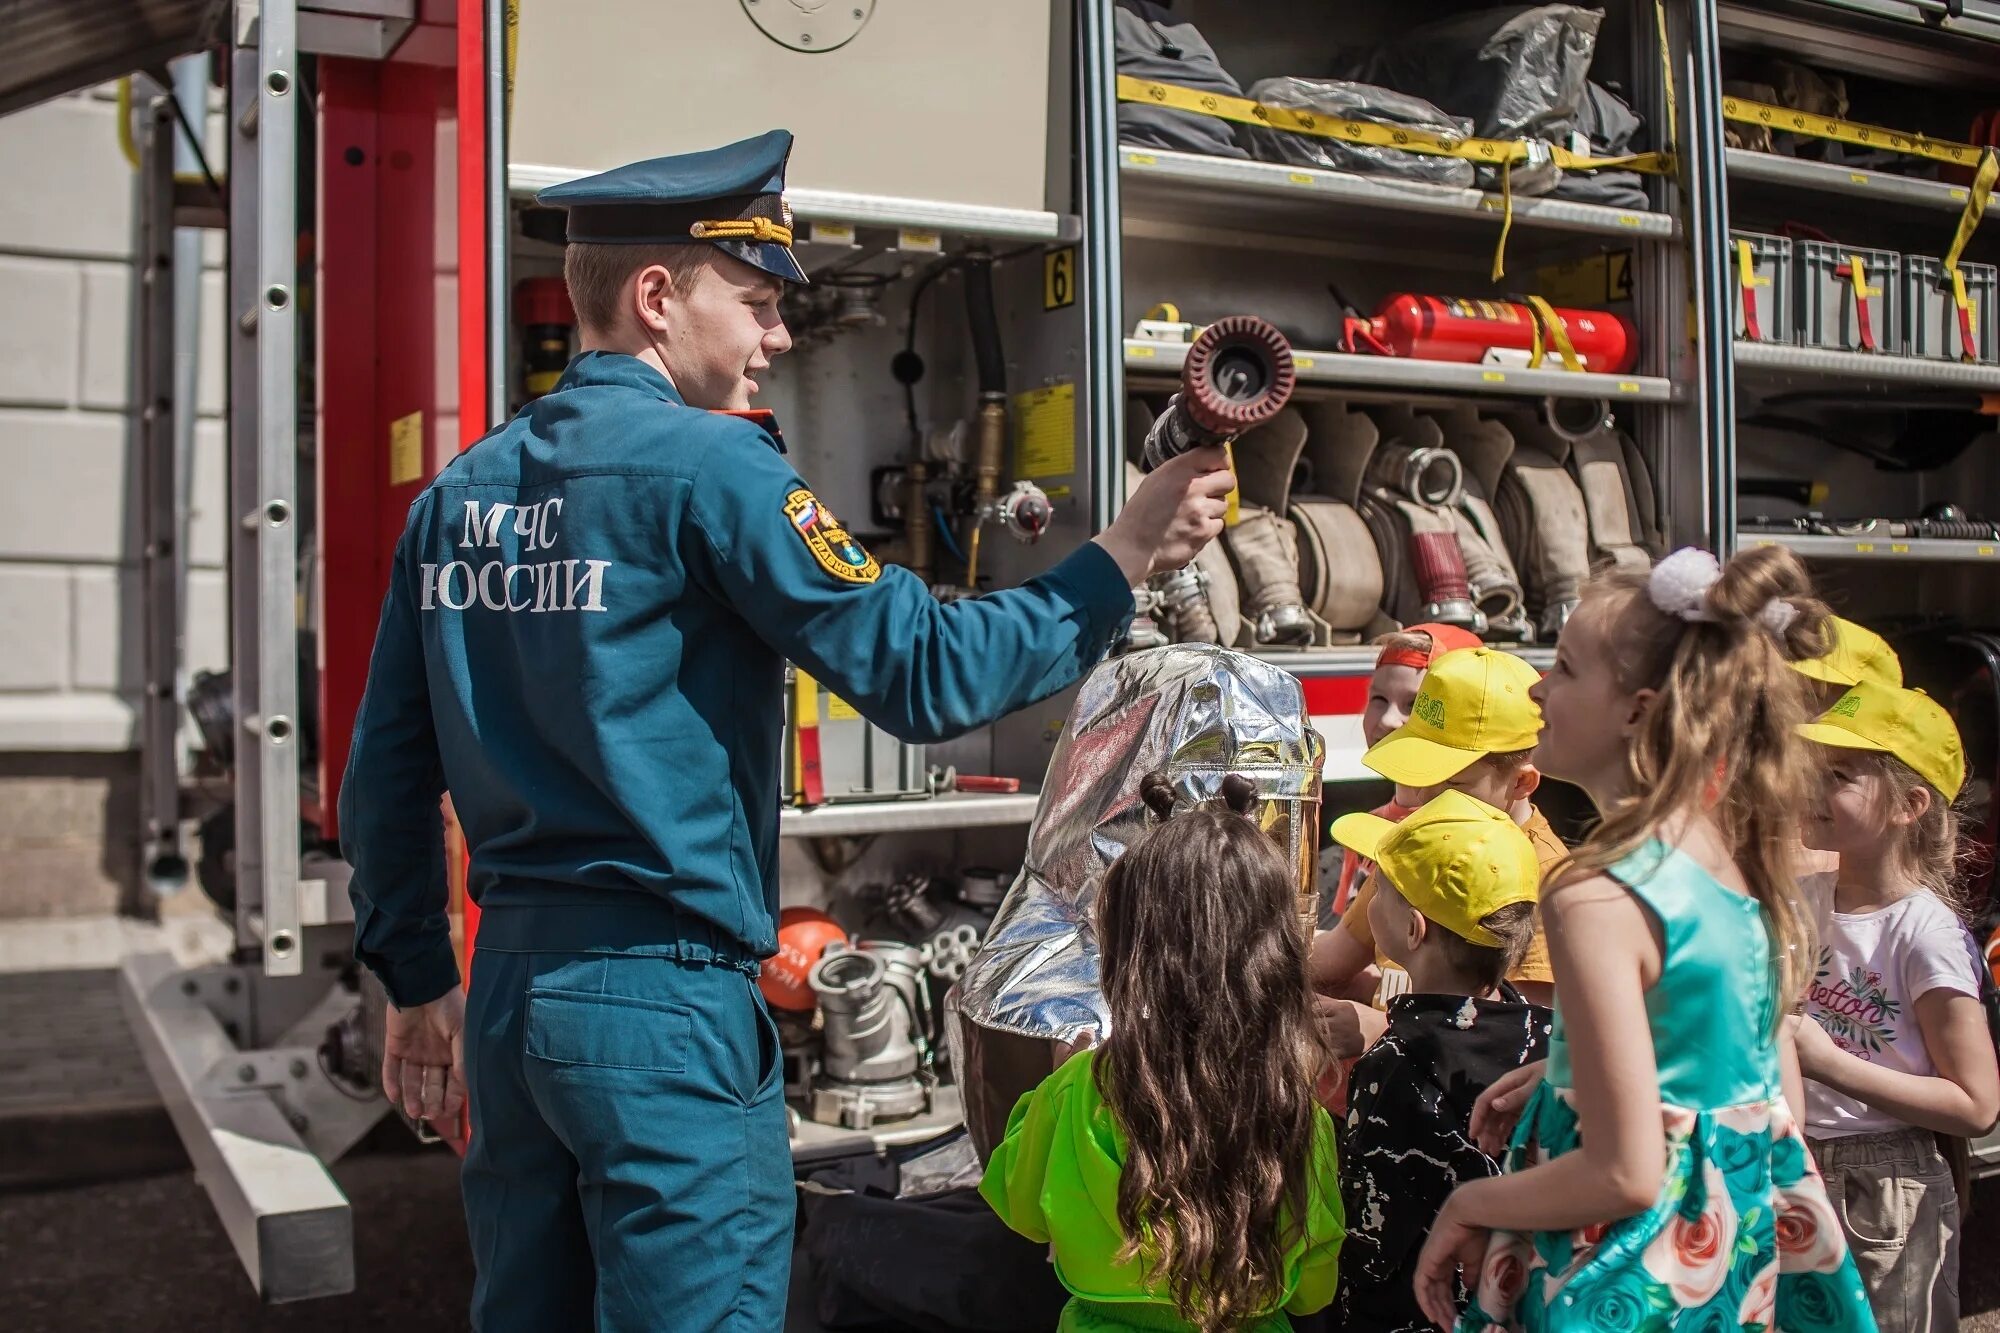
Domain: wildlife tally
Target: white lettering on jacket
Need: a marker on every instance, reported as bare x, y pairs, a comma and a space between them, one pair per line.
534, 587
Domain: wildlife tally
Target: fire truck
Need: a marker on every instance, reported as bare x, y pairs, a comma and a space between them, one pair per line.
1562, 287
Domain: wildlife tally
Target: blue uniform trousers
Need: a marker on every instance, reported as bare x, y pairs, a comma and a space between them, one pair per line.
630, 1166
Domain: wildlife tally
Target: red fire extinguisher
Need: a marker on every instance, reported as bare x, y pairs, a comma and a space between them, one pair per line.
1446, 328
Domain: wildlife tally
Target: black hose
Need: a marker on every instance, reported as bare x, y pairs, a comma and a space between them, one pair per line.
979, 313
1876, 402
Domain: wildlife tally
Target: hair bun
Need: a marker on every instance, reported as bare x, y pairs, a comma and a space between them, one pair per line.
1158, 794
1239, 793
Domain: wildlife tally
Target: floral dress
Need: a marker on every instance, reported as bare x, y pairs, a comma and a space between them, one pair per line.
1742, 1236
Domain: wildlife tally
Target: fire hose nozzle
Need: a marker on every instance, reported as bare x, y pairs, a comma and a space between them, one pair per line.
1237, 376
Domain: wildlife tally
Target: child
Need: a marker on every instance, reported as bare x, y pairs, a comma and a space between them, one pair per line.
1472, 729
1473, 722
1857, 654
1657, 1179
1898, 1049
1182, 1172
1456, 914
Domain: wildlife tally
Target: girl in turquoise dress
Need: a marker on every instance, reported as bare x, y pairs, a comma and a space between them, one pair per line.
1657, 1178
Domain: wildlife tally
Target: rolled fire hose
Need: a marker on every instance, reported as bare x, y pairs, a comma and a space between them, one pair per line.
1496, 591
1340, 573
1483, 447
1599, 463
1437, 562
1547, 525
1265, 551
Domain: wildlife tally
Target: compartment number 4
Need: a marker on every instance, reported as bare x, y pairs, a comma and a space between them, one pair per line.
1059, 278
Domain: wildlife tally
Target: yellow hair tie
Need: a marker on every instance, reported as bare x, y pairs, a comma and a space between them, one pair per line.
739, 229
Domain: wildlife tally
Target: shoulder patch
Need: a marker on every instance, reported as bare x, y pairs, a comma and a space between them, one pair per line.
837, 552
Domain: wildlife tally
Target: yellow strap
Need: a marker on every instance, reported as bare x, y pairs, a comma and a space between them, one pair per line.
805, 713
743, 229
1975, 207
1862, 291
1493, 152
1165, 310
1234, 502
1667, 75
1547, 318
1786, 121
1746, 265
126, 144
1506, 220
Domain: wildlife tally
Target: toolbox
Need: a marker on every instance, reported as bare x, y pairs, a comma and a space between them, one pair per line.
1760, 280
1933, 326
1848, 296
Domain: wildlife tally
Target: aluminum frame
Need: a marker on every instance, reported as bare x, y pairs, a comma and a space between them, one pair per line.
1101, 257
263, 440
291, 1226
163, 858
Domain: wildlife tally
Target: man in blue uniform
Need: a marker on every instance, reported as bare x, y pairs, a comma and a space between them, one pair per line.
584, 639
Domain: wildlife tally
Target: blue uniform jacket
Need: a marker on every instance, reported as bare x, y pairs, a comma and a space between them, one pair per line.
583, 640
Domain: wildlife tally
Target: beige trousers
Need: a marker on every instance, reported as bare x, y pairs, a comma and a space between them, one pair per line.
1894, 1195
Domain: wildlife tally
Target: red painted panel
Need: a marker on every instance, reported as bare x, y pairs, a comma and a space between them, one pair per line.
1329, 695
381, 280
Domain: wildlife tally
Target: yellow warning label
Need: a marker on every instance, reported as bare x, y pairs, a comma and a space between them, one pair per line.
406, 449
1045, 431
839, 710
1588, 282
1059, 278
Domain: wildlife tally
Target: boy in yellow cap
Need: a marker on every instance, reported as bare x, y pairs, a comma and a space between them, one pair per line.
1895, 1048
1456, 913
1472, 729
1858, 654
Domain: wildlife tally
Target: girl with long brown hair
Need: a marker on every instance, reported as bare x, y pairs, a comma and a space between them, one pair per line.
1657, 1179
1182, 1173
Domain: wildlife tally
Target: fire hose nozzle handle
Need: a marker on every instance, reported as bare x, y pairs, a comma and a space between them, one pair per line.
1237, 376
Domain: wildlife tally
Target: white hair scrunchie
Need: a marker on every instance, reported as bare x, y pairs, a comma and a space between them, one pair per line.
1680, 584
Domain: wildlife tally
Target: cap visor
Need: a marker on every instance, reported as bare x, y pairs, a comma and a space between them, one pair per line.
1364, 833
1839, 737
775, 259
1818, 669
1415, 761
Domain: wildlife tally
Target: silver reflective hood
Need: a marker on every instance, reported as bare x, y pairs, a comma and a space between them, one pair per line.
1194, 712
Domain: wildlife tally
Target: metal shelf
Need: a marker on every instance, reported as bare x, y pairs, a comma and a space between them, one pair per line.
1827, 178
814, 1142
926, 217
1446, 377
1190, 189
1360, 660
1873, 368
952, 811
1930, 549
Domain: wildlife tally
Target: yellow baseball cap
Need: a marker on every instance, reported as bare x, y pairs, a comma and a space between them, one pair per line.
1457, 860
1473, 702
1858, 654
1908, 724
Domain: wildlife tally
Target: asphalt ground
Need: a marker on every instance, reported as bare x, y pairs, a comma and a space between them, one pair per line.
147, 1253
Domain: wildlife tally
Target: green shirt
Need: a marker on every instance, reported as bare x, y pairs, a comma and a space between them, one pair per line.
1054, 1178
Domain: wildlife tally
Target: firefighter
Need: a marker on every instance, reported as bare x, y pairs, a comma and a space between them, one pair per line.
583, 639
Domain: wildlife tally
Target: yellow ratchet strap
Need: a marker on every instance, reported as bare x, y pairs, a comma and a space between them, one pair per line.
1549, 326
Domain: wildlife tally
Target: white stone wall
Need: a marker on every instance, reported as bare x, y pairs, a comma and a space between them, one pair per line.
70, 611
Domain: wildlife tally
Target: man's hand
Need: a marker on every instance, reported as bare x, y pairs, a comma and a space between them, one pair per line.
1171, 515
423, 1061
1347, 1028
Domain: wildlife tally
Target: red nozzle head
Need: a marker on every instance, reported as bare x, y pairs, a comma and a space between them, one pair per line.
1238, 375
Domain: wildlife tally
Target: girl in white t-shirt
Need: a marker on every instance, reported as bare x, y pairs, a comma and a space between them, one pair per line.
1897, 1050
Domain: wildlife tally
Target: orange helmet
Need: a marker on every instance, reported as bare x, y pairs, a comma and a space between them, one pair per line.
803, 934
